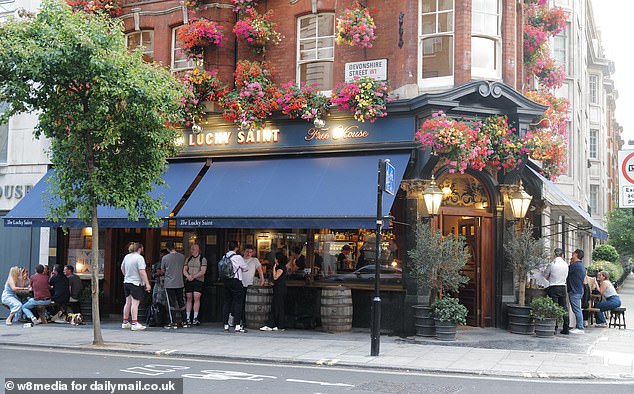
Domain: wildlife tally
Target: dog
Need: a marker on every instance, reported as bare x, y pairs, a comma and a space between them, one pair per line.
75, 319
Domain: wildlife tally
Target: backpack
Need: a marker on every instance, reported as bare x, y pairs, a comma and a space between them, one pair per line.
155, 315
225, 267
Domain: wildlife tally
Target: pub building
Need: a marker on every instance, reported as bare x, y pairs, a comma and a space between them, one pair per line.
293, 184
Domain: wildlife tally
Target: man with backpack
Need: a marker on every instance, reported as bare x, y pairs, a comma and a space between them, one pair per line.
230, 269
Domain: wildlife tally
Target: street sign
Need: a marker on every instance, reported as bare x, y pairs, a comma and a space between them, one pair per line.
388, 183
375, 69
626, 179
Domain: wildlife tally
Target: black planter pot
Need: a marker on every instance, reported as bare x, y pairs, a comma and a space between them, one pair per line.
445, 331
520, 320
424, 321
545, 328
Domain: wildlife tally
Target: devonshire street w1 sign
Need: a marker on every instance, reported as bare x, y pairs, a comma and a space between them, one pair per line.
626, 179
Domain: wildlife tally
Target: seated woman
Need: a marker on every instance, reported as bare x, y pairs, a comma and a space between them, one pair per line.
9, 298
610, 301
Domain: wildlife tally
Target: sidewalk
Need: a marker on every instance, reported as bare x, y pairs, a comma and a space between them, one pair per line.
600, 353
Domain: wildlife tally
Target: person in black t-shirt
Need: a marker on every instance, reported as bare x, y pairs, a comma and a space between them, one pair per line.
276, 320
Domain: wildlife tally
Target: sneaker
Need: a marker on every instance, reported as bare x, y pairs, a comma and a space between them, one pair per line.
186, 324
35, 320
170, 326
126, 325
226, 328
266, 328
137, 327
564, 332
576, 331
601, 325
8, 322
196, 322
240, 330
277, 329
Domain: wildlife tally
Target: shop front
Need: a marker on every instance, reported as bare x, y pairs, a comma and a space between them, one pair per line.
296, 186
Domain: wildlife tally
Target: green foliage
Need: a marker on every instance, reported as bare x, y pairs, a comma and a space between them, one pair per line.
106, 112
524, 254
437, 260
615, 270
450, 310
606, 253
546, 308
621, 229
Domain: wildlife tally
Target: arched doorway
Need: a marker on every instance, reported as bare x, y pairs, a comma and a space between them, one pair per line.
466, 211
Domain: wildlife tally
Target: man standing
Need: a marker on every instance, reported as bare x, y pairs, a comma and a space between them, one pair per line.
75, 288
41, 294
61, 291
194, 272
576, 275
234, 291
248, 277
172, 264
556, 273
135, 281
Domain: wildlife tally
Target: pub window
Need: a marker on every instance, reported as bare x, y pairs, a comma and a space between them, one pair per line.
316, 50
4, 137
594, 199
436, 42
560, 48
593, 148
486, 39
593, 88
179, 57
142, 39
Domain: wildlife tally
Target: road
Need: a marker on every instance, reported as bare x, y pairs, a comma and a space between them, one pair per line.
207, 376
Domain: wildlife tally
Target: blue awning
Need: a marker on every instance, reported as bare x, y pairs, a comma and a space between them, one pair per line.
33, 210
313, 192
557, 198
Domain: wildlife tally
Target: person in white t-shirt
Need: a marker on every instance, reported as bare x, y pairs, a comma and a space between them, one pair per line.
556, 273
135, 283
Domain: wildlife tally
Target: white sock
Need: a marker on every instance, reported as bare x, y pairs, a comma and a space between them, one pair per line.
188, 314
195, 315
238, 327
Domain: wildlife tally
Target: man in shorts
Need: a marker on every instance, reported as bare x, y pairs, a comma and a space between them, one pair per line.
135, 283
194, 272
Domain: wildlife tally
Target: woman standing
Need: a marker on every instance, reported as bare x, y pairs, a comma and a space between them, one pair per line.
610, 301
279, 294
9, 298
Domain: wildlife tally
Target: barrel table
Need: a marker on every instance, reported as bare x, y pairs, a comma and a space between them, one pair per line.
336, 309
258, 306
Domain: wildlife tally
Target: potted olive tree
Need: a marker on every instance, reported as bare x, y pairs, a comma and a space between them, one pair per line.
524, 253
436, 264
546, 313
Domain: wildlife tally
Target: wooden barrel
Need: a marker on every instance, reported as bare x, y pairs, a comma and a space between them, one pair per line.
336, 309
258, 306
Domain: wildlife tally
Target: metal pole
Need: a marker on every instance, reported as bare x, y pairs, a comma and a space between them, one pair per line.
376, 301
563, 234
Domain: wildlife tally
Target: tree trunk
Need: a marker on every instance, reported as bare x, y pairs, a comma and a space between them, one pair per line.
521, 288
94, 280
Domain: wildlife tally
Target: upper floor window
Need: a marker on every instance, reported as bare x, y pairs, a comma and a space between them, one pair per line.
593, 144
560, 48
179, 57
7, 9
436, 40
593, 89
142, 39
316, 50
486, 38
4, 137
594, 199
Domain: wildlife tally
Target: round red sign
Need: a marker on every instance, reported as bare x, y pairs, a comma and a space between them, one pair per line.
624, 168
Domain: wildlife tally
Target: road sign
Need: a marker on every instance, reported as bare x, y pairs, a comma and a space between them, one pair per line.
626, 179
388, 182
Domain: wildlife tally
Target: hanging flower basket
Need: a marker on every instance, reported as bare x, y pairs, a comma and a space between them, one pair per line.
254, 98
364, 97
198, 35
303, 102
356, 27
242, 6
257, 30
202, 86
111, 7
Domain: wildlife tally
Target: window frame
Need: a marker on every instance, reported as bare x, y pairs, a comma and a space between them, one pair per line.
497, 39
594, 199
593, 88
443, 81
173, 49
140, 33
593, 144
299, 62
565, 35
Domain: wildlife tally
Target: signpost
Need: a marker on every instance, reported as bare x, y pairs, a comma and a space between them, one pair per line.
386, 184
626, 179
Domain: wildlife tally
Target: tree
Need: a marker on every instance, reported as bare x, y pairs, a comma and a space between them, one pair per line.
621, 230
606, 253
524, 253
437, 261
105, 111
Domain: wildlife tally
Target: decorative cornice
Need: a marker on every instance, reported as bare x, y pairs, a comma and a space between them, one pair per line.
413, 187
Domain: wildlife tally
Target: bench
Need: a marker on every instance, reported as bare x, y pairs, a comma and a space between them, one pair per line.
615, 318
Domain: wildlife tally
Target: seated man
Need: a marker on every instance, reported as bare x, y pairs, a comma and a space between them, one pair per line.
61, 291
41, 295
